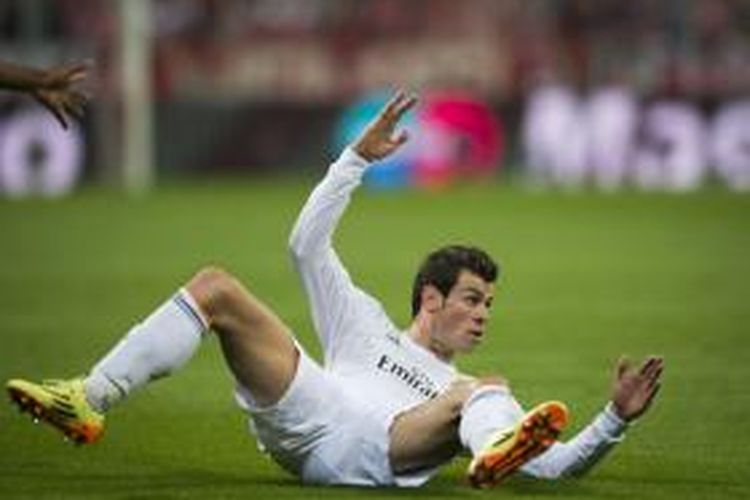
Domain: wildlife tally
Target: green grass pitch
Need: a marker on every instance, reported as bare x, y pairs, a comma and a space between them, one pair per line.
586, 278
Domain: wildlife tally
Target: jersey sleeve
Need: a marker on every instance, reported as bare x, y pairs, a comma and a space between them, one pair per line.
577, 455
335, 301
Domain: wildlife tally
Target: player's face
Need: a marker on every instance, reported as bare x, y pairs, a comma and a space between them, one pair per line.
460, 324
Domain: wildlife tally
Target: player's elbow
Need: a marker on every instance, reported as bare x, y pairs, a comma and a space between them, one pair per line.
303, 248
299, 255
299, 244
295, 245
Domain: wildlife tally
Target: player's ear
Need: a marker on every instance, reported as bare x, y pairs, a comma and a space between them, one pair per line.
432, 299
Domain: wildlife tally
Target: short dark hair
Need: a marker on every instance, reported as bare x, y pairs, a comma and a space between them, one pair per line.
442, 267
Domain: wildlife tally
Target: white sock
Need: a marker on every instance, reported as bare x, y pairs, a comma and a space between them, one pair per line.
488, 410
162, 343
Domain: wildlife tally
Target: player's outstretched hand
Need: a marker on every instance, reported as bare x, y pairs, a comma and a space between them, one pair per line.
635, 388
56, 92
379, 139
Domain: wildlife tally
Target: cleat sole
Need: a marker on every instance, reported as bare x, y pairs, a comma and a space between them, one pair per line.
535, 435
84, 434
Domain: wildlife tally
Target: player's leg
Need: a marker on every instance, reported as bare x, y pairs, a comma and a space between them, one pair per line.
481, 416
258, 348
428, 434
153, 348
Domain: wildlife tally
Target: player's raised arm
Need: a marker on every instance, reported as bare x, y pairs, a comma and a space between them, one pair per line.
311, 235
334, 299
53, 88
379, 139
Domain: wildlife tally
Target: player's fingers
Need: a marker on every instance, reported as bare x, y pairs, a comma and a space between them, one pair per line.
655, 391
81, 98
657, 366
405, 105
59, 114
61, 76
76, 103
397, 140
653, 378
647, 365
389, 110
400, 138
652, 365
47, 100
648, 397
59, 111
75, 72
72, 110
651, 395
75, 77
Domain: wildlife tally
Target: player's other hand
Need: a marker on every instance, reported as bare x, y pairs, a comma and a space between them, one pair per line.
55, 91
636, 387
379, 138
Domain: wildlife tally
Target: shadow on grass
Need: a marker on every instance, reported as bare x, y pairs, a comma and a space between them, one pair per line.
524, 487
695, 482
30, 481
450, 486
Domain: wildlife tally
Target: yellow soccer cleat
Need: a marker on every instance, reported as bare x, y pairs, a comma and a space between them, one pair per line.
510, 448
60, 403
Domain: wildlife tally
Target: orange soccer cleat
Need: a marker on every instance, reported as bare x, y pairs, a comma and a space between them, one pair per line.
510, 448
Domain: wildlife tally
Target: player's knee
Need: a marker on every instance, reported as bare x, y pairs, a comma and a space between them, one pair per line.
493, 380
213, 289
461, 390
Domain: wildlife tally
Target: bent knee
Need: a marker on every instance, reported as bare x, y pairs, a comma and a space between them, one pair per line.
473, 383
212, 288
493, 380
462, 389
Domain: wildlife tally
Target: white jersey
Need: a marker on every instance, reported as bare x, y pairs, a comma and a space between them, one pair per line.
378, 366
376, 363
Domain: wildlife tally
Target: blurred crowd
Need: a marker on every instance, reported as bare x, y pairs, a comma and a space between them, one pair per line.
332, 49
604, 92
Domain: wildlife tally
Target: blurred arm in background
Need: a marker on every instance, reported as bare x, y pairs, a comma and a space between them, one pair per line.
53, 88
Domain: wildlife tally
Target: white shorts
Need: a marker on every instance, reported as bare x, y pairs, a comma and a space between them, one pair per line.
316, 432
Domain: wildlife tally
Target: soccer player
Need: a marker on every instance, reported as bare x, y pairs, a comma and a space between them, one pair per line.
53, 88
387, 407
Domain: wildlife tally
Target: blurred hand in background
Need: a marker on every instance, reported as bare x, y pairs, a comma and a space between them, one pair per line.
54, 88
